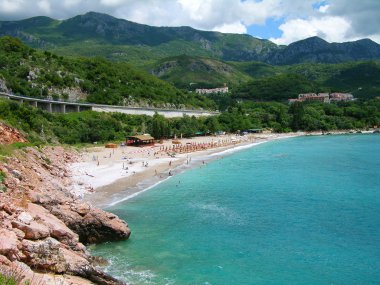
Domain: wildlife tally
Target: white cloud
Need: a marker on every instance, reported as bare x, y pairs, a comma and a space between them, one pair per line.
44, 5
333, 20
10, 6
71, 3
324, 8
112, 3
236, 28
332, 29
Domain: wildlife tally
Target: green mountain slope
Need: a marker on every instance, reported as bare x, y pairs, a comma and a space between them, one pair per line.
187, 72
29, 72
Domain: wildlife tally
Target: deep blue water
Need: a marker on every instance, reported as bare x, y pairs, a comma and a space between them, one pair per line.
297, 211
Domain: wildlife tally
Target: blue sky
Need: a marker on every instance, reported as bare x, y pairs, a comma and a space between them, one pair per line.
268, 30
281, 21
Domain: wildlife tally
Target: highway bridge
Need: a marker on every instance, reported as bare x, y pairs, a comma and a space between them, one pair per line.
54, 106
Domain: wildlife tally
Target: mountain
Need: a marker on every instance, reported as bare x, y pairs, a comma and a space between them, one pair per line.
317, 50
188, 72
94, 34
94, 29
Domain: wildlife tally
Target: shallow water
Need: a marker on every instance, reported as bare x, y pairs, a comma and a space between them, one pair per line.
297, 211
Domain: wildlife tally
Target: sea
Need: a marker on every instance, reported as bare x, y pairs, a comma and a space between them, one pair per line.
303, 210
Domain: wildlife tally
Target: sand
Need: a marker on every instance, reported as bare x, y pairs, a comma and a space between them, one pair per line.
106, 176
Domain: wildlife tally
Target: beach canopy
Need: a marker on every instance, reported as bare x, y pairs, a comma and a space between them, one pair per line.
140, 140
145, 137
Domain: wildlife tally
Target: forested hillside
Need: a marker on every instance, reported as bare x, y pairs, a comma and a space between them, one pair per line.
282, 82
30, 72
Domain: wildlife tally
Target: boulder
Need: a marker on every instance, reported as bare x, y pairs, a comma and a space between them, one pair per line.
25, 218
33, 231
9, 244
94, 227
43, 255
57, 228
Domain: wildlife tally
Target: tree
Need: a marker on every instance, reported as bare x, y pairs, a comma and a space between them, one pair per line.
298, 112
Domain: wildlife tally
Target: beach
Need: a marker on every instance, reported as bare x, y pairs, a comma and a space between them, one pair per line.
106, 176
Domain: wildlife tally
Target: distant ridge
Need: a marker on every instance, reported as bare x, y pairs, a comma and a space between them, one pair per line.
123, 40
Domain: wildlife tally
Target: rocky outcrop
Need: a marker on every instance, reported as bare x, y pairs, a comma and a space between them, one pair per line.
10, 135
43, 227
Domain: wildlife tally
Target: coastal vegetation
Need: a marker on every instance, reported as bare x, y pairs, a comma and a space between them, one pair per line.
89, 126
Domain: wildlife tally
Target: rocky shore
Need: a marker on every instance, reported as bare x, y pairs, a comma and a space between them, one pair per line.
43, 227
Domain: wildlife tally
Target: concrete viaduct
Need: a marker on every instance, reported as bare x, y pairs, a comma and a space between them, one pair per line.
54, 106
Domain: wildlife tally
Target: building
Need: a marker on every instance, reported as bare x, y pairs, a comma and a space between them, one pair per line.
212, 91
141, 140
322, 97
341, 97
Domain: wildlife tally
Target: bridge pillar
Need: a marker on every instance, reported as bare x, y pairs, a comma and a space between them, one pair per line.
77, 108
50, 108
63, 108
34, 104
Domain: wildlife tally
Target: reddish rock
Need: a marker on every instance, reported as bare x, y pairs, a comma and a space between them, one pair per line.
9, 244
95, 227
56, 227
33, 231
43, 225
10, 135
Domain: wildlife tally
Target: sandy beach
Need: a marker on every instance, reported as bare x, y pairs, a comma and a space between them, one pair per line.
106, 176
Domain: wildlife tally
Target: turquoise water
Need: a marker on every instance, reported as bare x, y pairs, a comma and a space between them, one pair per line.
297, 211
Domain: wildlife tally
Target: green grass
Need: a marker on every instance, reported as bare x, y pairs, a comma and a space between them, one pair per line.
6, 280
7, 151
2, 176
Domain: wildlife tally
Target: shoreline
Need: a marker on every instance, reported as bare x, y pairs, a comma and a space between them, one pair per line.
106, 185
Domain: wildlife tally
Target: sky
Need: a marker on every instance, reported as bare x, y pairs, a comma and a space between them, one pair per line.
281, 21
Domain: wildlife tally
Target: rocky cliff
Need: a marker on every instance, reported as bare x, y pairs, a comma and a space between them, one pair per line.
43, 227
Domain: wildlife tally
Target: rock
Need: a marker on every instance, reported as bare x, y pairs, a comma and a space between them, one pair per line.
94, 227
9, 244
25, 218
56, 227
16, 174
4, 261
19, 233
33, 231
42, 254
49, 254
82, 209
